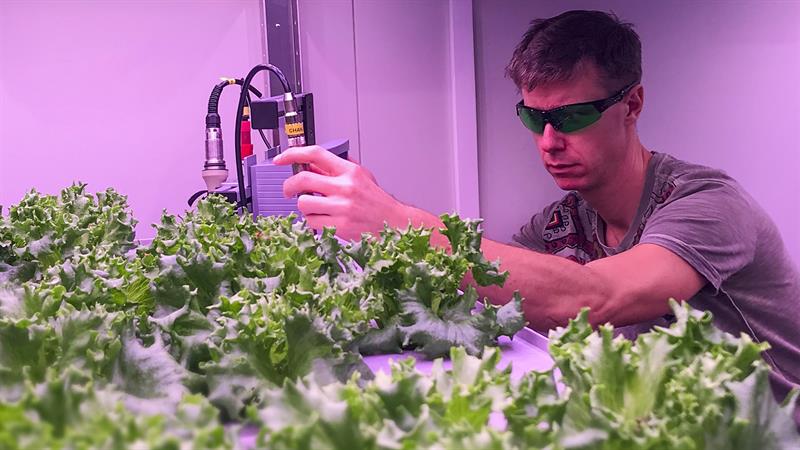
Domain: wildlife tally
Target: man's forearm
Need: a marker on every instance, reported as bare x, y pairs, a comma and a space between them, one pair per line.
555, 288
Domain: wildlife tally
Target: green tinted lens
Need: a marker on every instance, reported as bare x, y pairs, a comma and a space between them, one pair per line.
532, 120
574, 117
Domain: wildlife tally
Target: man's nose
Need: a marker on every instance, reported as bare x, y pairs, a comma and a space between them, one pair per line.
551, 140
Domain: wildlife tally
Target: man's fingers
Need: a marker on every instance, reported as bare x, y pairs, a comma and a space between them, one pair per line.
307, 181
320, 221
316, 169
317, 205
343, 231
316, 155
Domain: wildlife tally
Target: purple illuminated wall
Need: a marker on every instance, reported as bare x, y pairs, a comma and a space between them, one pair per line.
722, 85
114, 94
381, 76
122, 87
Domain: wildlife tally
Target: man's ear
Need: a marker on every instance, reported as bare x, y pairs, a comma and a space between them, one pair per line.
634, 101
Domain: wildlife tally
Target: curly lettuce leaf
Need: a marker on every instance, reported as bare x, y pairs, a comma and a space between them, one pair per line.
686, 386
404, 409
42, 230
59, 413
418, 285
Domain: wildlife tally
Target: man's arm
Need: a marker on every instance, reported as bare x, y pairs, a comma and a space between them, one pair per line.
627, 288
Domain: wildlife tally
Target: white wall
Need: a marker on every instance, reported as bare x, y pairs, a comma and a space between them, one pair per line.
513, 183
114, 93
329, 68
721, 89
382, 76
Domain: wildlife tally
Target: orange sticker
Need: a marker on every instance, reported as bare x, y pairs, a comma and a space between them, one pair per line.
294, 129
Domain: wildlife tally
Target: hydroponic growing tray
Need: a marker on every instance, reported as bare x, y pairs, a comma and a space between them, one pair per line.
526, 352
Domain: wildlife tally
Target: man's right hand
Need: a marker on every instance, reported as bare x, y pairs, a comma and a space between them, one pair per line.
349, 197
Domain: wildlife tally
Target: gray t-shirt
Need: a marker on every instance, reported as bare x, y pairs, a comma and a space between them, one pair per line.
705, 217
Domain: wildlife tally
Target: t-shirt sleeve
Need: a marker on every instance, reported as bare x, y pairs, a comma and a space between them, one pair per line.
710, 224
530, 234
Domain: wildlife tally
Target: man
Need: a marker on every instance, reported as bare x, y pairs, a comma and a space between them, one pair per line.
636, 228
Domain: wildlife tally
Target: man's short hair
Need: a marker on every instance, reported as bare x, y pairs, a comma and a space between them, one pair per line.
552, 48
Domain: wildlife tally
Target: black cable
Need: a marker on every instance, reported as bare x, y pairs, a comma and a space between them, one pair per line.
264, 138
212, 117
239, 81
196, 195
242, 100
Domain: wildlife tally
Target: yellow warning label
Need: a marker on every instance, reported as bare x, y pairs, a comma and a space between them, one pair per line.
294, 129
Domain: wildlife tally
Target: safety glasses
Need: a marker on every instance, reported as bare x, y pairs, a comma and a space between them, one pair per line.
568, 118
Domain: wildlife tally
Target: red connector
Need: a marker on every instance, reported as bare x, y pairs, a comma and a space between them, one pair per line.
247, 145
